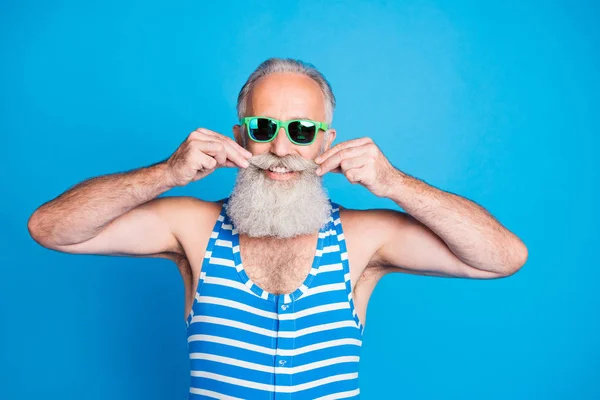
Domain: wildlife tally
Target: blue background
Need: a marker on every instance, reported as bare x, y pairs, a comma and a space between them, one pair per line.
497, 102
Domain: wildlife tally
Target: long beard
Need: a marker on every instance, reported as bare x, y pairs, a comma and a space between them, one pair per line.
260, 206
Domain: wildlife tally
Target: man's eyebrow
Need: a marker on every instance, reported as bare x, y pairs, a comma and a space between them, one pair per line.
302, 117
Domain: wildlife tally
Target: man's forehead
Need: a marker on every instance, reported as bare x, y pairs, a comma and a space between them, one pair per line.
287, 96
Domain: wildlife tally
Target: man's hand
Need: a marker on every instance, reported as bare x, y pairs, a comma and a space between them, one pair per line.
361, 161
202, 152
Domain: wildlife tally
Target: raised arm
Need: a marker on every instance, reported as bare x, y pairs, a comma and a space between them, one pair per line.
120, 214
440, 233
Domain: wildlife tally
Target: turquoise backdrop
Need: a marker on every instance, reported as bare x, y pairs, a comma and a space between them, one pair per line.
495, 101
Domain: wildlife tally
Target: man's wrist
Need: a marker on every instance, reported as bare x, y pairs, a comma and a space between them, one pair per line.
396, 185
157, 178
166, 179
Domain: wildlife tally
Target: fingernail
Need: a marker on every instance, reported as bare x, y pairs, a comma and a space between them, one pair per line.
318, 171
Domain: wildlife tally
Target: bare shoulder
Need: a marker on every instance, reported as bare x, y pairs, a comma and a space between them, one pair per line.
181, 207
373, 223
192, 221
361, 231
367, 230
189, 216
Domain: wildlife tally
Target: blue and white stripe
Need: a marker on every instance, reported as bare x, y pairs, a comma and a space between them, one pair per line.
247, 343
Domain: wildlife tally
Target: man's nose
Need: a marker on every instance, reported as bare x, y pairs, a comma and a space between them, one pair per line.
281, 145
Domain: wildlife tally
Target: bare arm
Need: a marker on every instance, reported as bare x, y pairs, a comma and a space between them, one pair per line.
441, 233
120, 213
450, 231
86, 209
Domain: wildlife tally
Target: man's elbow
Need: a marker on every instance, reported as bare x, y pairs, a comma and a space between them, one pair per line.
518, 260
36, 230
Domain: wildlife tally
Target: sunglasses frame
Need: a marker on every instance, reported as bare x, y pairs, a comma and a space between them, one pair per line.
285, 124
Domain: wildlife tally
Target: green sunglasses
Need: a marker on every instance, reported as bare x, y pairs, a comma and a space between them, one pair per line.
300, 131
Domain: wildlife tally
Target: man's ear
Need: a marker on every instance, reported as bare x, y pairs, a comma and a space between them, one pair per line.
329, 138
237, 134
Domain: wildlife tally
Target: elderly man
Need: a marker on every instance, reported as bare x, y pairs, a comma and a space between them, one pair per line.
277, 276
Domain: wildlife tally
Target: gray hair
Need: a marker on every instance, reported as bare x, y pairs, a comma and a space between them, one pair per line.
274, 65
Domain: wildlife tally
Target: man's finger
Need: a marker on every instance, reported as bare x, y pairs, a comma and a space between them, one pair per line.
230, 164
222, 151
227, 139
212, 148
235, 155
342, 146
335, 159
239, 148
354, 162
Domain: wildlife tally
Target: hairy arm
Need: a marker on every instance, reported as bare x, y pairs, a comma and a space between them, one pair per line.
112, 214
441, 233
120, 213
444, 234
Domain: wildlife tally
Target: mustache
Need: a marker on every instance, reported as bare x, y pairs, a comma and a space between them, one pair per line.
293, 162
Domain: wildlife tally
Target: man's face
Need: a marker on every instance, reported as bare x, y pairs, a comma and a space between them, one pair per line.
286, 96
281, 204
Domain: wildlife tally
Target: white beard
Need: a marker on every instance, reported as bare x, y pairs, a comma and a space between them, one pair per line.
260, 206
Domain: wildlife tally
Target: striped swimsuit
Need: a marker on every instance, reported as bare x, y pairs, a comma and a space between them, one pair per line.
247, 343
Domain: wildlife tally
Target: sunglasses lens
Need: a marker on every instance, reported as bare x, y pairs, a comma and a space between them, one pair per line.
262, 129
302, 132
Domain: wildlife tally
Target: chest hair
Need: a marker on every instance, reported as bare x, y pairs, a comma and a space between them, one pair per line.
278, 265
